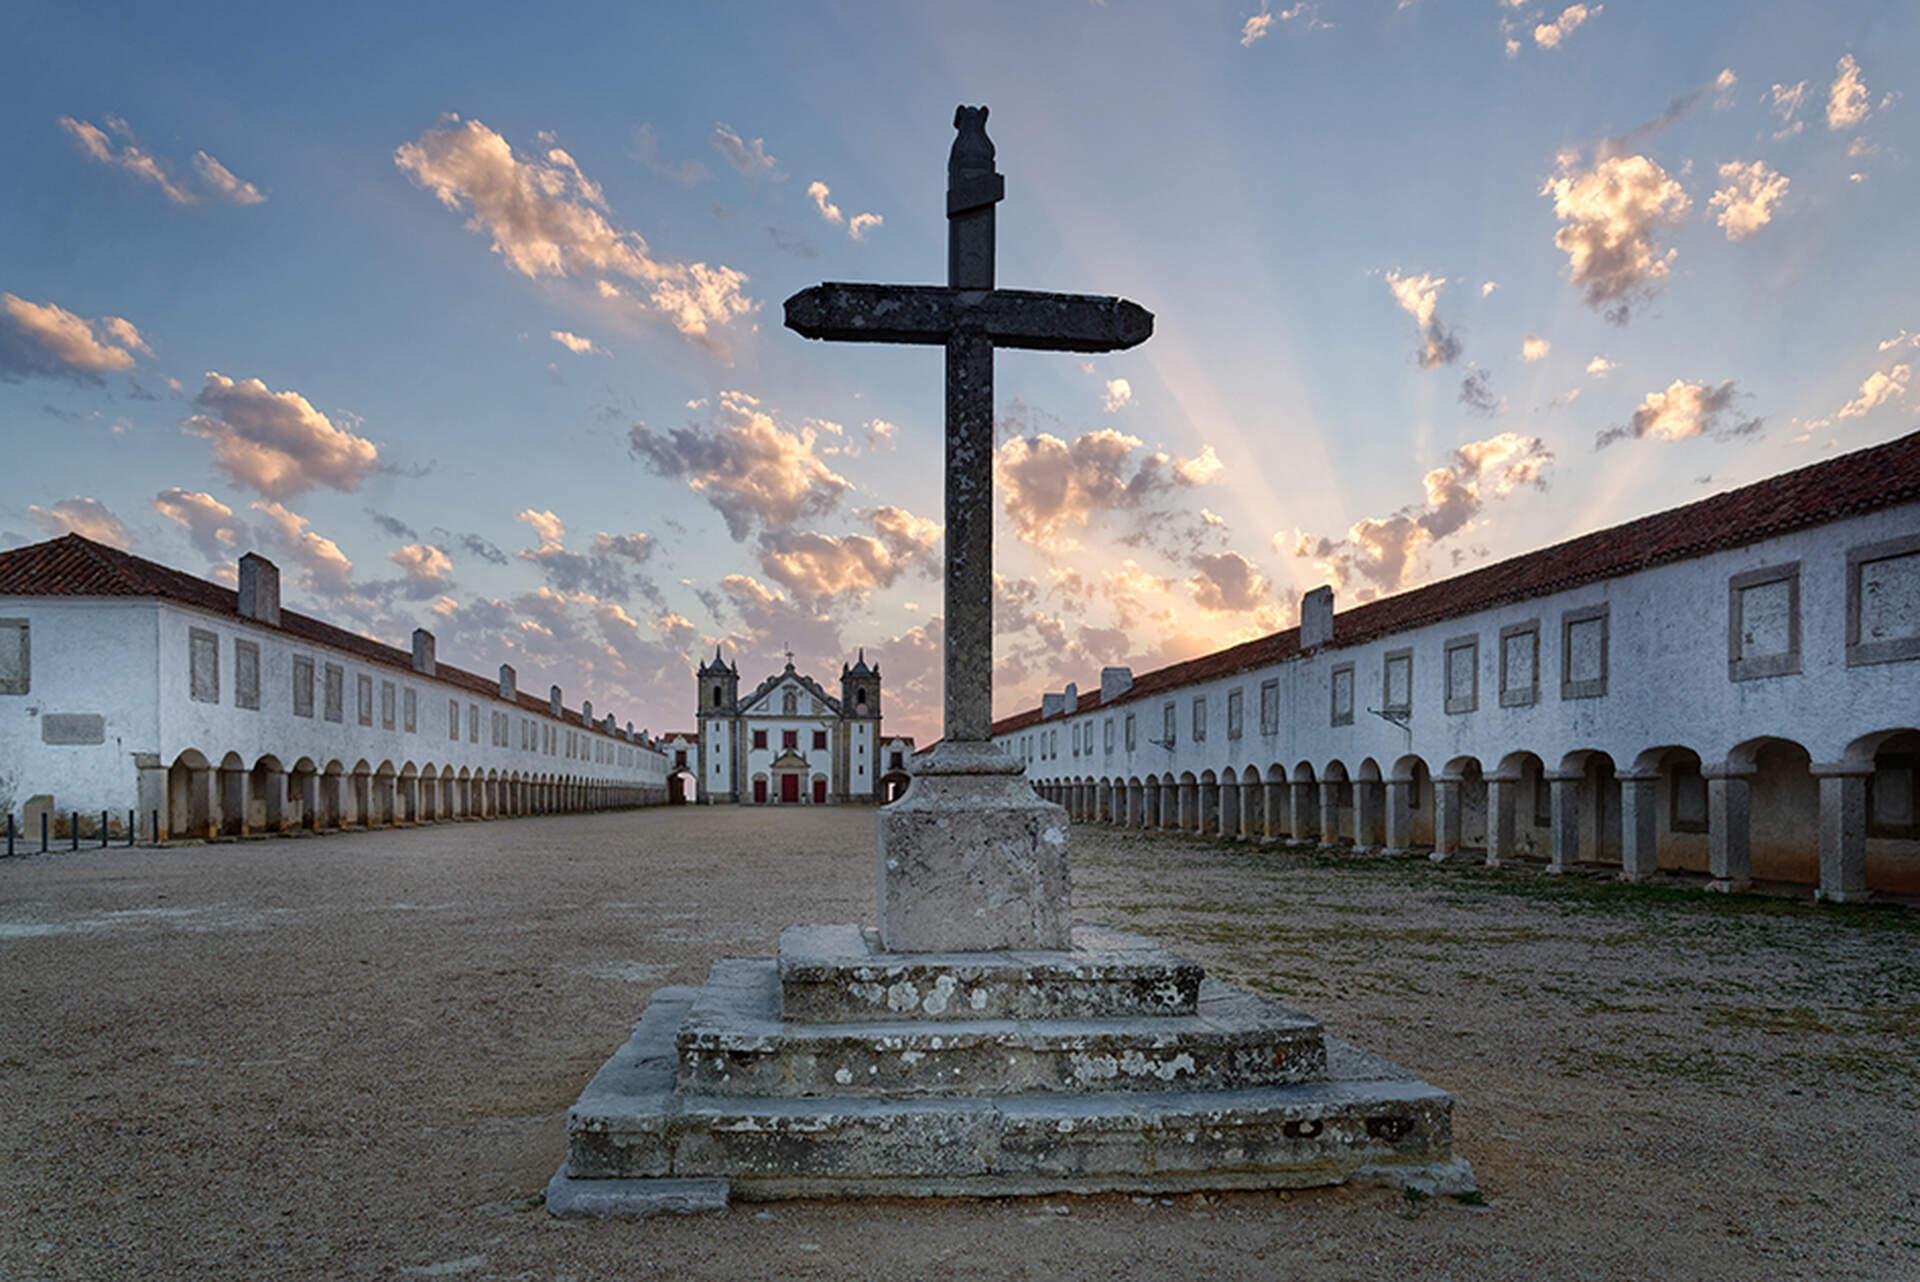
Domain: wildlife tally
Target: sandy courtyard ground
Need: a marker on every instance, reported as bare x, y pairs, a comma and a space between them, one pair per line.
352, 1057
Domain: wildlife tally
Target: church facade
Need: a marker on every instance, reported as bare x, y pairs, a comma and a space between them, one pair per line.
788, 742
1729, 688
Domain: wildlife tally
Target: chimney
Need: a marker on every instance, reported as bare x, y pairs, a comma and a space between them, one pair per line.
1316, 617
553, 701
1072, 697
586, 713
423, 651
1051, 705
509, 686
1114, 682
629, 730
260, 589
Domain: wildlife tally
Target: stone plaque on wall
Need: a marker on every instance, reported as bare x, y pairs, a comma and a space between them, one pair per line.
1766, 619
1585, 650
73, 728
1890, 598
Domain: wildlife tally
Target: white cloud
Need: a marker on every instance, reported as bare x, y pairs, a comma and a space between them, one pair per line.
1600, 366
1119, 392
1227, 582
1608, 215
1256, 28
1048, 485
1723, 89
1747, 199
1487, 287
860, 224
218, 177
1879, 388
749, 468
749, 158
1847, 97
1419, 297
428, 570
1533, 349
128, 155
276, 442
1683, 411
813, 564
572, 342
546, 219
1548, 35
89, 518
325, 569
1785, 102
209, 523
48, 340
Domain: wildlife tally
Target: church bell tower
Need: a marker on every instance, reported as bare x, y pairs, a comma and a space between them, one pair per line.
717, 716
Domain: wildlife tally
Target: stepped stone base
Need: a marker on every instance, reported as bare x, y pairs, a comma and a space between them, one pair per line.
724, 1088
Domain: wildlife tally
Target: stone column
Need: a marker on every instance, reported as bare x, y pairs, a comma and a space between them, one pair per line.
234, 802
1368, 797
1300, 824
273, 797
1503, 795
1446, 819
1729, 857
1399, 816
1187, 799
201, 814
1639, 826
1227, 812
1843, 833
1329, 813
1273, 802
1250, 808
1564, 794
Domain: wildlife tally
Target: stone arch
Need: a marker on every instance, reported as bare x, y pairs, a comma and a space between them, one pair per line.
190, 808
1253, 805
1663, 812
1585, 805
267, 795
230, 798
303, 795
1304, 822
1410, 804
430, 794
384, 809
1278, 802
1369, 805
1460, 807
1880, 850
360, 793
1782, 812
1336, 803
1187, 794
333, 798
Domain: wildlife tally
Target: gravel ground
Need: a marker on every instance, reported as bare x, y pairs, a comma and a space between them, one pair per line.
352, 1057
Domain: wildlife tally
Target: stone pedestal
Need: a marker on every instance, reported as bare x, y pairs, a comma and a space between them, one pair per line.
971, 858
840, 1069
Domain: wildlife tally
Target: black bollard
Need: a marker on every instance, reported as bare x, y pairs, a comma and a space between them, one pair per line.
9, 834
73, 833
43, 832
132, 823
156, 828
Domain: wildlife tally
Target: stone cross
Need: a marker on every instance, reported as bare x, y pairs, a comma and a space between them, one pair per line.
970, 318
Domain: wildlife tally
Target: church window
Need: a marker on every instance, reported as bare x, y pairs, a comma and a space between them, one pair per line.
1583, 653
246, 674
1763, 623
1199, 718
894, 760
335, 693
15, 669
860, 698
1883, 601
1343, 694
388, 697
1270, 707
759, 738
819, 738
363, 698
1169, 725
1130, 733
680, 760
1107, 735
1236, 715
453, 719
716, 696
203, 666
1520, 664
1397, 690
789, 703
1463, 674
789, 739
302, 686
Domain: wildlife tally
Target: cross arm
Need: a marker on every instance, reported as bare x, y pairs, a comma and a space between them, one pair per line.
928, 313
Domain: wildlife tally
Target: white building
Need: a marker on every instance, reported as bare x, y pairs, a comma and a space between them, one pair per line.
789, 742
1730, 687
126, 686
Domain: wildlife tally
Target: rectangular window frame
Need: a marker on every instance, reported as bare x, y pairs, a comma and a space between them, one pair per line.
1335, 717
1765, 665
201, 690
1512, 696
303, 685
1456, 701
1236, 714
453, 720
759, 738
1170, 723
1596, 687
1270, 707
246, 660
333, 694
22, 637
363, 698
473, 723
1131, 739
1387, 660
1199, 718
819, 740
389, 704
1861, 653
410, 710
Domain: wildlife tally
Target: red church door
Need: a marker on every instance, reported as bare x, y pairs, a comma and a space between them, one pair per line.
790, 789
819, 792
760, 792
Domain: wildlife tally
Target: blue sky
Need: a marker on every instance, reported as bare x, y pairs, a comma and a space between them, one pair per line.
470, 318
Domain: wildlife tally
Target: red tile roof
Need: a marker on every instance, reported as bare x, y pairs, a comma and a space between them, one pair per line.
1864, 481
73, 566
